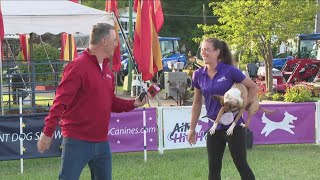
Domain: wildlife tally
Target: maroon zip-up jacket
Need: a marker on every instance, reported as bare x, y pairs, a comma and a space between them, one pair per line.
84, 101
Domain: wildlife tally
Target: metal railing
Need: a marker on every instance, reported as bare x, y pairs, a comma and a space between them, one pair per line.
35, 81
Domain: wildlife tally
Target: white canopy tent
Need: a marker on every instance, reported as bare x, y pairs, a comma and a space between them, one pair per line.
56, 16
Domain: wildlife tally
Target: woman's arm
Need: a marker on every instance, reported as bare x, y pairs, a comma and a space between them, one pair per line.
196, 108
252, 89
195, 113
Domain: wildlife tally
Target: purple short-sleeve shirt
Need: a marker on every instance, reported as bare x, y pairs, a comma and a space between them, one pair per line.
225, 77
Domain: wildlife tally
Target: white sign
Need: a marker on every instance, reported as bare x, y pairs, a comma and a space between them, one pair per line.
275, 81
176, 123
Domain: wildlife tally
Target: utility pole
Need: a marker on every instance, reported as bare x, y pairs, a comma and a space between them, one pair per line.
317, 20
204, 14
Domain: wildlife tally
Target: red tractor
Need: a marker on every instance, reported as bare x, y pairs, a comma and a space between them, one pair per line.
279, 83
305, 67
300, 70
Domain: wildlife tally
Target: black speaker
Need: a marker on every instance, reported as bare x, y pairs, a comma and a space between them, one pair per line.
249, 138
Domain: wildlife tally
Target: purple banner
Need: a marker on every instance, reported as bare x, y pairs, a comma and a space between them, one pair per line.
126, 130
288, 123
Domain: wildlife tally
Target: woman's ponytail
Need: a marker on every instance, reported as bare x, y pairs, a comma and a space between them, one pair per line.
225, 54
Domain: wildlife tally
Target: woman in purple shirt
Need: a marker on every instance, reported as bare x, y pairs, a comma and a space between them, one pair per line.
216, 78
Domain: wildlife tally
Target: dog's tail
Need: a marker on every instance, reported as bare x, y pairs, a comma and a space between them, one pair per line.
267, 110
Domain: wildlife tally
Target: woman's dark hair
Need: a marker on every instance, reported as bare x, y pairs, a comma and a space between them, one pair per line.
225, 55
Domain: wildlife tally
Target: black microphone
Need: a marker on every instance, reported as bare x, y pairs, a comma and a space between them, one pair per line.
142, 95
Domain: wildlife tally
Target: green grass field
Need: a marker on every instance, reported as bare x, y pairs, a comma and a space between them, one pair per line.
40, 101
268, 162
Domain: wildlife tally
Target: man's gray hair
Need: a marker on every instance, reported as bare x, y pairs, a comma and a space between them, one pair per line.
99, 31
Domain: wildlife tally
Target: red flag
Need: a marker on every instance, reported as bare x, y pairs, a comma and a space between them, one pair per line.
149, 21
24, 43
63, 45
112, 6
65, 50
75, 1
157, 15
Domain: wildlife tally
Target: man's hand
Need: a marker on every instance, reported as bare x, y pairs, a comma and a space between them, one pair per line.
44, 143
138, 103
192, 137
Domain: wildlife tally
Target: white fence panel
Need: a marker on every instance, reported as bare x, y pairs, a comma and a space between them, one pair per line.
175, 125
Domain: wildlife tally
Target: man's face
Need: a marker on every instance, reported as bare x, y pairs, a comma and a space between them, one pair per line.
110, 43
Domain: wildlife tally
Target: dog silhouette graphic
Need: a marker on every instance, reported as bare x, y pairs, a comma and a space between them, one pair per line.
286, 124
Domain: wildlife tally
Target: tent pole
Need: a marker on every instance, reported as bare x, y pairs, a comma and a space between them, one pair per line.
32, 73
130, 64
1, 79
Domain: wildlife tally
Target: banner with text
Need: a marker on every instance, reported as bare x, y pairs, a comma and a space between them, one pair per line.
176, 123
125, 134
32, 126
287, 123
126, 130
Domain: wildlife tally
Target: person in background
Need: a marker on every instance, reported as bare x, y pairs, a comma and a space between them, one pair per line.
216, 78
82, 107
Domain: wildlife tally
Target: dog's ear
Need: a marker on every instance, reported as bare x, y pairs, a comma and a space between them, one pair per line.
227, 106
219, 98
239, 105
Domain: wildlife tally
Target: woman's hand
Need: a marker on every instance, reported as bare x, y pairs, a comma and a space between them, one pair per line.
192, 137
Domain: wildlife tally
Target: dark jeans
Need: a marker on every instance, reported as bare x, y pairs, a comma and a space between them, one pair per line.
76, 154
215, 146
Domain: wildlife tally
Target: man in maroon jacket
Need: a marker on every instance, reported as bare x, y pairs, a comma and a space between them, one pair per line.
82, 106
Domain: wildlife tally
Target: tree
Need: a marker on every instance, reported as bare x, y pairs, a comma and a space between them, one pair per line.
256, 26
42, 55
181, 19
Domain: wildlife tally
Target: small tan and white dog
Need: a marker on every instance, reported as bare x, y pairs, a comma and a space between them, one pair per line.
236, 99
